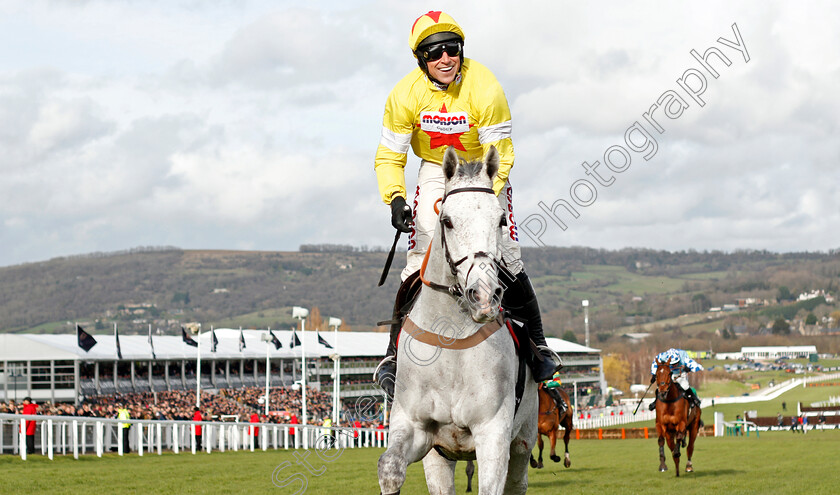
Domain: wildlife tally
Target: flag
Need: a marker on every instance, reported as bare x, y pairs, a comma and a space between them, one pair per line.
241, 339
86, 340
323, 341
214, 342
117, 340
187, 339
295, 340
151, 343
275, 340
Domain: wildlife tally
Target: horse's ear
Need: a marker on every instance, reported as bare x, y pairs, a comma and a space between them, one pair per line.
450, 162
492, 162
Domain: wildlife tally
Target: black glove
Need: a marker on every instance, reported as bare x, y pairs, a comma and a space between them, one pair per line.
401, 214
652, 379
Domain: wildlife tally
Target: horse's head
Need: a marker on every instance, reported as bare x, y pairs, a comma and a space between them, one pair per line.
471, 224
663, 377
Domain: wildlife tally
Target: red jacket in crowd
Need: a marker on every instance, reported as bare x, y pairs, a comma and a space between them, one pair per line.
255, 418
30, 408
197, 417
293, 421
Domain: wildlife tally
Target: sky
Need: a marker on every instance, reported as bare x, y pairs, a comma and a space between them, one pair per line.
253, 125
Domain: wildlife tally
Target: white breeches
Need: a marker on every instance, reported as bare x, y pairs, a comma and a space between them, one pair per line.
681, 379
429, 189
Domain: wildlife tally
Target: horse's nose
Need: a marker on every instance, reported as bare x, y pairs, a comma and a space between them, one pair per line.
497, 296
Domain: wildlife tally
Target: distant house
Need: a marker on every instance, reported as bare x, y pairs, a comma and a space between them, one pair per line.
635, 337
774, 352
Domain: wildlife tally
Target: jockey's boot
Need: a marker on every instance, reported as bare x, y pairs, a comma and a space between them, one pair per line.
386, 373
520, 301
692, 397
558, 399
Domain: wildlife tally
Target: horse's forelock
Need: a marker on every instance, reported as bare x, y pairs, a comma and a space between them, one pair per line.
469, 169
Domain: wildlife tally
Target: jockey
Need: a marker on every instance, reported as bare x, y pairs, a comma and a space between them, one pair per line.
551, 387
447, 101
680, 365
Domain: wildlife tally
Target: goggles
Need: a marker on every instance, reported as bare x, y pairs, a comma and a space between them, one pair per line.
435, 52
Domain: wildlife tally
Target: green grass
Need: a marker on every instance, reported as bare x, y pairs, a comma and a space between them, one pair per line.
777, 462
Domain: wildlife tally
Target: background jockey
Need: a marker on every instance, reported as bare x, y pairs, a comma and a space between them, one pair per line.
680, 365
447, 101
551, 387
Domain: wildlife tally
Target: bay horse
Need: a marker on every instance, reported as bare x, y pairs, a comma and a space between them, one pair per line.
676, 419
454, 393
548, 424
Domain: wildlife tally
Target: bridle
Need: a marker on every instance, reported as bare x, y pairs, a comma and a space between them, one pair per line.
455, 289
661, 397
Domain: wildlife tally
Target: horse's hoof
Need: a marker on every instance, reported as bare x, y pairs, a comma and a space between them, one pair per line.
567, 463
689, 469
533, 463
555, 458
663, 469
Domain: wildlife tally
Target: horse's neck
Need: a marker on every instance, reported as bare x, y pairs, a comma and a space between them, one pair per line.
437, 311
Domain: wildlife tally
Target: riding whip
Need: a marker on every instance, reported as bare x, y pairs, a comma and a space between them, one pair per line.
643, 398
389, 260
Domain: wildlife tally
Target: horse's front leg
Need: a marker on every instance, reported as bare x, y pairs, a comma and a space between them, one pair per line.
567, 433
492, 449
440, 474
674, 445
406, 445
552, 437
540, 445
662, 466
517, 472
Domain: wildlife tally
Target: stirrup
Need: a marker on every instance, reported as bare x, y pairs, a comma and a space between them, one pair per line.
558, 361
379, 366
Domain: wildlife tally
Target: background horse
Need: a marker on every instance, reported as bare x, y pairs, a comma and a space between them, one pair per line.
674, 419
548, 423
454, 396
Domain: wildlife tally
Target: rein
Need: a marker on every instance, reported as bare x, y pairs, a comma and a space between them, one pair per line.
679, 396
455, 289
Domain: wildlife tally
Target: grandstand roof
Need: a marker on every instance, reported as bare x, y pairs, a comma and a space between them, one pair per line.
46, 347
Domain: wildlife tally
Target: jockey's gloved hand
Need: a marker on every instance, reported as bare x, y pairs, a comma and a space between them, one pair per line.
401, 215
652, 379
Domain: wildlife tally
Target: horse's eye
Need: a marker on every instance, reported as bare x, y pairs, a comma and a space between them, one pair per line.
503, 221
447, 223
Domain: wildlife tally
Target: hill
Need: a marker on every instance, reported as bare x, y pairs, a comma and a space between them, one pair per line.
167, 286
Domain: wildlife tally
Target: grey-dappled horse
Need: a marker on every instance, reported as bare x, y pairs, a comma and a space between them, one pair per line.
454, 391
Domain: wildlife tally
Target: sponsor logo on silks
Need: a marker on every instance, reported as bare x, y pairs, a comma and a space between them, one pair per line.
444, 128
511, 222
446, 123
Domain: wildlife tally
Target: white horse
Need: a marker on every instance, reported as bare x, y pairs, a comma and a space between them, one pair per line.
454, 390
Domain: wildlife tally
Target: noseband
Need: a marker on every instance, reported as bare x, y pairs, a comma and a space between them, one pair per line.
455, 289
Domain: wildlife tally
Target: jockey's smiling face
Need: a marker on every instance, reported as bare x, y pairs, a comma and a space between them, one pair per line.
445, 69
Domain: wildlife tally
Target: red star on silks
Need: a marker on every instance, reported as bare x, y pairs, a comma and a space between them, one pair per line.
438, 139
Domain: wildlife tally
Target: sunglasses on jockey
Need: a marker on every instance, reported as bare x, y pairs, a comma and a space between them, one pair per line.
434, 52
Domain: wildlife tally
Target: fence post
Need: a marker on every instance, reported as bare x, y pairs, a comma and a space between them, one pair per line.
49, 439
75, 439
159, 439
600, 434
22, 438
140, 439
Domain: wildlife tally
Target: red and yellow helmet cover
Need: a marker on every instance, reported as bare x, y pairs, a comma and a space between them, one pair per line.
430, 23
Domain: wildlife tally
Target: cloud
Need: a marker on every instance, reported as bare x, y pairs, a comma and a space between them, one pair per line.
218, 124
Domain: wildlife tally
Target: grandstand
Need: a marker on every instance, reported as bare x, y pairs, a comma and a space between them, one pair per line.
54, 368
